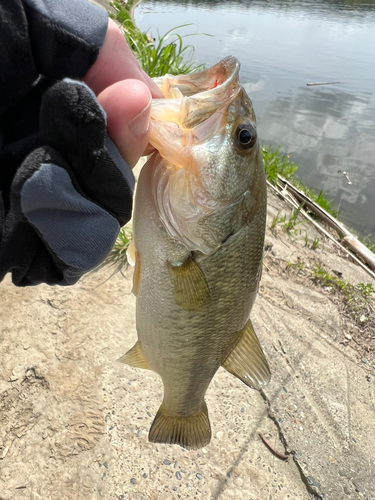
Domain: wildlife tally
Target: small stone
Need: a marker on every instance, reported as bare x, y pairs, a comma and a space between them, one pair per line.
364, 360
166, 461
105, 465
243, 410
133, 480
349, 337
175, 488
178, 475
199, 476
144, 475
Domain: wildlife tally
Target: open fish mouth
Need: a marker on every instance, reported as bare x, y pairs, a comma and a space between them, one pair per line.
196, 108
205, 82
191, 99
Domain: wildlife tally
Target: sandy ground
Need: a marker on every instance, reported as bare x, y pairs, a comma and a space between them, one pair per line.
74, 422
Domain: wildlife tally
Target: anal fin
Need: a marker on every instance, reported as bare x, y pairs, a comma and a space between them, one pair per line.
189, 284
190, 432
247, 361
135, 357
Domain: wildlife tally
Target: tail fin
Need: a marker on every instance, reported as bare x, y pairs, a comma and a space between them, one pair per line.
189, 432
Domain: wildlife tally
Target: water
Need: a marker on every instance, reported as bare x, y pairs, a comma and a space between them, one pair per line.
282, 46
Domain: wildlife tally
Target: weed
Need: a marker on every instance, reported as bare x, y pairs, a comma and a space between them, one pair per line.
277, 164
357, 297
156, 56
366, 289
117, 258
367, 241
299, 265
315, 243
290, 224
277, 220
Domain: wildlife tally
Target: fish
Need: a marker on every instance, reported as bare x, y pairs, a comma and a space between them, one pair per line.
198, 236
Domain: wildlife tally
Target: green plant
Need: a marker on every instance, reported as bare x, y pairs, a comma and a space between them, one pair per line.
157, 57
299, 265
290, 224
277, 164
357, 298
117, 258
315, 243
366, 289
277, 220
320, 198
367, 241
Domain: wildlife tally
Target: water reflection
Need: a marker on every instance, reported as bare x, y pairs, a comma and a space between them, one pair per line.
357, 6
282, 45
328, 131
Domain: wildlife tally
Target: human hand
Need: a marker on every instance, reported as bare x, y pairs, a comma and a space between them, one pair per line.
72, 189
124, 91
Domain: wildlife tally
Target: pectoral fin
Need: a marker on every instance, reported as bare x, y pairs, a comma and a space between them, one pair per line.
190, 287
135, 357
247, 361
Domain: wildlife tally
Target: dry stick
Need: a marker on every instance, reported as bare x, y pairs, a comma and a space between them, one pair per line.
293, 202
324, 83
276, 453
348, 239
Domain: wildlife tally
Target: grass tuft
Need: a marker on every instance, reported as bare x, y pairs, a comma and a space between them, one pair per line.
357, 297
117, 260
165, 54
275, 163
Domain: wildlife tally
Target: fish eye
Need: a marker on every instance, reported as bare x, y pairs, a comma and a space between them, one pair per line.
246, 136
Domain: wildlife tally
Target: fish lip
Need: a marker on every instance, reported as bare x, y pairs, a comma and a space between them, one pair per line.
195, 108
233, 76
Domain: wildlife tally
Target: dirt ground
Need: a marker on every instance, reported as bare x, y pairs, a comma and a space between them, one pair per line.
74, 422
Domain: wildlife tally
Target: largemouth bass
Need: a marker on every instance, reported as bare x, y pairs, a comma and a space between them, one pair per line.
198, 224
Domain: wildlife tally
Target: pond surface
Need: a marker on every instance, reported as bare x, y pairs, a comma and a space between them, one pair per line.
282, 46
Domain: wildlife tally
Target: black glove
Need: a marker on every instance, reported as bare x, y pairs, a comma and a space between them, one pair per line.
69, 196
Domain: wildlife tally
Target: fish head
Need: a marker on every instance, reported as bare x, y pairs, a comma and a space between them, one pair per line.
205, 133
206, 124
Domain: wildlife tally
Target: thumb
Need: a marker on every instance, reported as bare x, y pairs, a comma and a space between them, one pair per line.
127, 105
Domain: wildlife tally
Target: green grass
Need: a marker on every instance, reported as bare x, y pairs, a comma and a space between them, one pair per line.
275, 163
165, 54
117, 260
357, 297
367, 241
288, 223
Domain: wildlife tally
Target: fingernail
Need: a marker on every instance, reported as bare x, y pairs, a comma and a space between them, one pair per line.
140, 124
